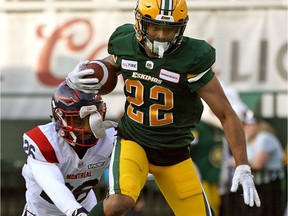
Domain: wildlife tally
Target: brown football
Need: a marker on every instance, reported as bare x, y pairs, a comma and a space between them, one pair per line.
105, 72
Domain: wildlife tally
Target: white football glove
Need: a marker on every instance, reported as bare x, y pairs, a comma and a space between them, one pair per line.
75, 79
80, 212
244, 177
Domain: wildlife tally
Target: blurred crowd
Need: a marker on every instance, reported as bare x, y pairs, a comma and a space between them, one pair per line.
212, 157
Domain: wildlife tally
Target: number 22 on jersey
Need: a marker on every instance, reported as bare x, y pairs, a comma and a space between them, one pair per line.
156, 92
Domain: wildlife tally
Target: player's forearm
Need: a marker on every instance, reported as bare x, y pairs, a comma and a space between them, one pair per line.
50, 179
59, 193
236, 139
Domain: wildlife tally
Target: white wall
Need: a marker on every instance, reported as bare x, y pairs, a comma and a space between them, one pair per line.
41, 41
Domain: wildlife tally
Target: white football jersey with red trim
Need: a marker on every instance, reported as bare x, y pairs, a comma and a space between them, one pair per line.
46, 147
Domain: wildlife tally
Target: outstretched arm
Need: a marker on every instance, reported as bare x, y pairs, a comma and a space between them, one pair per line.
213, 94
55, 187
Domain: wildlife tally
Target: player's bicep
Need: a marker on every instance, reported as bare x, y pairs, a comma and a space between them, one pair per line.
213, 94
44, 170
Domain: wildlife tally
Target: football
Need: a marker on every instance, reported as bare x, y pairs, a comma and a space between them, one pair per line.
105, 72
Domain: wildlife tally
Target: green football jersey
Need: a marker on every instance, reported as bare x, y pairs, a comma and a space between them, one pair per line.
161, 102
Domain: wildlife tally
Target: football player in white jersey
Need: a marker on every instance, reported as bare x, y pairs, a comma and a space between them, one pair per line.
67, 157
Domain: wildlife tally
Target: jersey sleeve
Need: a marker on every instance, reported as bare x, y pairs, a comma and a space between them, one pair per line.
200, 71
37, 146
54, 187
121, 38
204, 56
200, 80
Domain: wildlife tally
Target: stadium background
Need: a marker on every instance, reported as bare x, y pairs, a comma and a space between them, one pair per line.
42, 40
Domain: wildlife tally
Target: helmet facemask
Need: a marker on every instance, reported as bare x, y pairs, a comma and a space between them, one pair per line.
154, 14
70, 128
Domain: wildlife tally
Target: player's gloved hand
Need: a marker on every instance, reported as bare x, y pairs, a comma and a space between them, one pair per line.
244, 177
75, 79
80, 212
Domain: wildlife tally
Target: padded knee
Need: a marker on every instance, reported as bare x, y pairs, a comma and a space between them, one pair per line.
130, 186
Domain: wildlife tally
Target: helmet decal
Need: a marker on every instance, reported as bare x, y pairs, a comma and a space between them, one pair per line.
166, 7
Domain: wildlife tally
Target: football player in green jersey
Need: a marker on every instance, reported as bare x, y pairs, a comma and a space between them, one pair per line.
165, 76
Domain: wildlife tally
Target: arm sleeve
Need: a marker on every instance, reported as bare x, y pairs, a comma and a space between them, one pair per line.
51, 180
